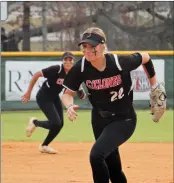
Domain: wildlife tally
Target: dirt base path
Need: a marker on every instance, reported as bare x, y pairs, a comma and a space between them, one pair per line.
21, 162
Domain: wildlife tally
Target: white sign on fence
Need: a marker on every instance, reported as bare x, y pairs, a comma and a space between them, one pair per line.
141, 83
18, 75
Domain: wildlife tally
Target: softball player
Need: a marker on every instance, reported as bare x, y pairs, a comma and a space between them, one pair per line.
49, 101
107, 78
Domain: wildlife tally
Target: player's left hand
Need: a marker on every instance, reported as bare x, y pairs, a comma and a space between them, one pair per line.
158, 102
26, 97
71, 111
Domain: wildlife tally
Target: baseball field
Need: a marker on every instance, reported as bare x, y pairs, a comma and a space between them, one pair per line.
147, 157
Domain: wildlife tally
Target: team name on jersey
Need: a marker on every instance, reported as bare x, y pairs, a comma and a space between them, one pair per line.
60, 81
104, 83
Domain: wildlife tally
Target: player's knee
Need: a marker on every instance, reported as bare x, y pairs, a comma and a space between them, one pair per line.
59, 125
56, 126
96, 157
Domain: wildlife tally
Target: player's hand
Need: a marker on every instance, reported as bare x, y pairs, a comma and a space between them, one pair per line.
71, 111
26, 97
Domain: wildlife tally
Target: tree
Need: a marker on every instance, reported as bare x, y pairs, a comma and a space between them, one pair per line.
126, 24
162, 32
26, 26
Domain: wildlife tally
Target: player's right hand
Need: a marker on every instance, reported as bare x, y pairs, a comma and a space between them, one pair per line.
72, 114
26, 97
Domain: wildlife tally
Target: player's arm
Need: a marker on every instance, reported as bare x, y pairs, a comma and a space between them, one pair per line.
71, 84
46, 73
33, 81
149, 69
26, 96
133, 61
157, 93
68, 98
68, 101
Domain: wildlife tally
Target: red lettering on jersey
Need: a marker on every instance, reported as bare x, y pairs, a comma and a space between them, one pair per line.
118, 80
59, 81
88, 84
106, 82
99, 84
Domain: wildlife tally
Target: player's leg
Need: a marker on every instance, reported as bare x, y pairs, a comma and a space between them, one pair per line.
55, 116
43, 101
116, 173
59, 108
113, 135
54, 123
44, 104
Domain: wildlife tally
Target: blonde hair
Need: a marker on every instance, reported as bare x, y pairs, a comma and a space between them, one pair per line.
98, 31
95, 30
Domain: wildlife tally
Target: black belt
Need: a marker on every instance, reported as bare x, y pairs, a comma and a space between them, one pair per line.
106, 114
121, 116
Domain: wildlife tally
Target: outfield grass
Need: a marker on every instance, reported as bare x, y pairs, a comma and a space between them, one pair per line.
13, 126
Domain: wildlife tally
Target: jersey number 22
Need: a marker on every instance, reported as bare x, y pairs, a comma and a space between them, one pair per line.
117, 95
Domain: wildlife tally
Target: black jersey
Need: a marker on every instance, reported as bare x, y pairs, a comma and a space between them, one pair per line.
55, 76
109, 90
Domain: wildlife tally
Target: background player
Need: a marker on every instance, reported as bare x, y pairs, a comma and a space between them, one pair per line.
49, 101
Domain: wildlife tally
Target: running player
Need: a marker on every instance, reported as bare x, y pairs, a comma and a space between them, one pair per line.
48, 100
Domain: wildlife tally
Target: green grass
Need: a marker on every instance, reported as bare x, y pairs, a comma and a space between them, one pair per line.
13, 126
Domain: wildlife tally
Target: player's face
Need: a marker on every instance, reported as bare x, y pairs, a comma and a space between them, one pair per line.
92, 53
68, 63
